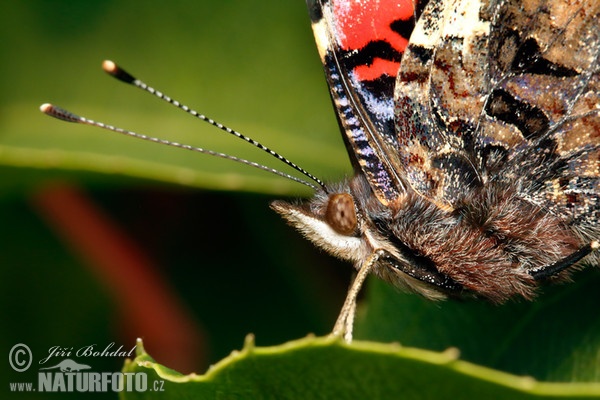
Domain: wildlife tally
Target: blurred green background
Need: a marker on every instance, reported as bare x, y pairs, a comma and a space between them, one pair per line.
232, 265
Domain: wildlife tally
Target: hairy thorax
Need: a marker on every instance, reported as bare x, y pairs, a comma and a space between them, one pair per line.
488, 243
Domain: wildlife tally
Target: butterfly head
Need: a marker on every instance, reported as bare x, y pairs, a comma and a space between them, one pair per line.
350, 223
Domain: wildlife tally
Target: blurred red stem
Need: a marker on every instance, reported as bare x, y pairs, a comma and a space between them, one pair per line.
148, 304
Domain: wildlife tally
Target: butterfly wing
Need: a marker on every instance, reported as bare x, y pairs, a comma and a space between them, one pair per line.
440, 92
503, 90
361, 46
547, 89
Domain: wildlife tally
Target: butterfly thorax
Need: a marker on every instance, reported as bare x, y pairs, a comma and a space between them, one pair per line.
487, 246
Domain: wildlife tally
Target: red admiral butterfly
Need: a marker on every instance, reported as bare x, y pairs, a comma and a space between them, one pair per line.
475, 137
476, 144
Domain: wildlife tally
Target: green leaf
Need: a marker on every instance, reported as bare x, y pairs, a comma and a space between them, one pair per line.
554, 338
327, 368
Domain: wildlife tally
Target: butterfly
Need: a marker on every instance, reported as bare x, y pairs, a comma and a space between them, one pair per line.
474, 131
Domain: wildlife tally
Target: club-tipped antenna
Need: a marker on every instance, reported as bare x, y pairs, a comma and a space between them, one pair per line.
113, 69
64, 115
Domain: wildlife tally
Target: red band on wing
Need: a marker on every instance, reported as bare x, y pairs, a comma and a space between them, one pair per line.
359, 23
378, 68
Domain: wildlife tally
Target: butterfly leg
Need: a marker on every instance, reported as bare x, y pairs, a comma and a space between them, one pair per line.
553, 269
345, 322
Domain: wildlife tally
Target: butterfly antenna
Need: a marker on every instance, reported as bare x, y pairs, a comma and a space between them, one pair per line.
68, 116
113, 69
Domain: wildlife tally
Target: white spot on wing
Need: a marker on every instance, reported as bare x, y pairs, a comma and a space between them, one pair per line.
322, 36
458, 18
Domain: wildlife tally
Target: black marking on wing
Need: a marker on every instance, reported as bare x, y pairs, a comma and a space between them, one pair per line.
315, 9
423, 54
530, 59
531, 121
366, 55
419, 7
402, 27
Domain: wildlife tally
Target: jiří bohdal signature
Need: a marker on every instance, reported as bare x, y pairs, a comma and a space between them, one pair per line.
92, 350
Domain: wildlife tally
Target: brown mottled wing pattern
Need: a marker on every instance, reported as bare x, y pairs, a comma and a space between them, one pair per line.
546, 76
440, 93
504, 90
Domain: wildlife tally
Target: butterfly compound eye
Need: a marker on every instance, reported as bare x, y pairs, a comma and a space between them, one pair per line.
340, 213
